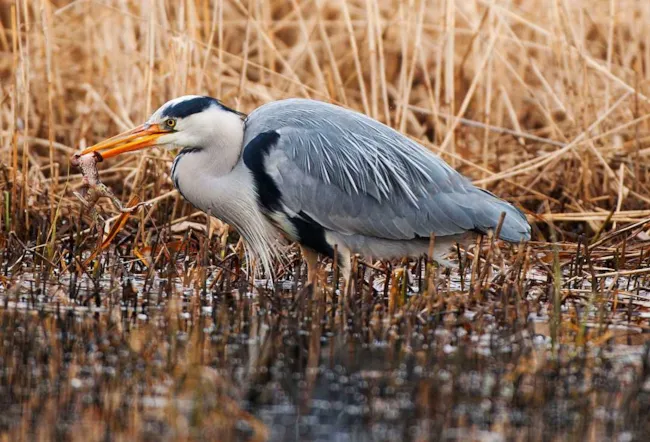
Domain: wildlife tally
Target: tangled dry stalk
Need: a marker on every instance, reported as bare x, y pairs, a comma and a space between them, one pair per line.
546, 103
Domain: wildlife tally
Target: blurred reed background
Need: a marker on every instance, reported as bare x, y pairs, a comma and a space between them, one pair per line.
525, 97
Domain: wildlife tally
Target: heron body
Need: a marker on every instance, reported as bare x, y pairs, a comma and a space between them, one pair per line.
323, 176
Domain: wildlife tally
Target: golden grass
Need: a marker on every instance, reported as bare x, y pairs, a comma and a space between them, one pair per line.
546, 103
539, 101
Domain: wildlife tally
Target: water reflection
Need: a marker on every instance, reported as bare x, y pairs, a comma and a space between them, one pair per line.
157, 358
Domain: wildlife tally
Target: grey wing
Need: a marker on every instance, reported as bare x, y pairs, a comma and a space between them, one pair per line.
354, 175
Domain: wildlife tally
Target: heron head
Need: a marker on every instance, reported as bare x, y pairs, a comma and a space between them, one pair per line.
188, 121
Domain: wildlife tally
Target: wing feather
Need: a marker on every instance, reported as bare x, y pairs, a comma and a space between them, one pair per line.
353, 175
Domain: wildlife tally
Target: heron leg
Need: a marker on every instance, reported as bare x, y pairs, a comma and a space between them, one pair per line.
311, 258
346, 269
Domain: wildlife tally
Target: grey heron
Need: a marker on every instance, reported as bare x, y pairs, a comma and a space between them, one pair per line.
321, 175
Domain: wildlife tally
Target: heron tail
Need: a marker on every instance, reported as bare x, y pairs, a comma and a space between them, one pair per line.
515, 227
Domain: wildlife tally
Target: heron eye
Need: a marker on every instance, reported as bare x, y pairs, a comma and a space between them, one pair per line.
170, 123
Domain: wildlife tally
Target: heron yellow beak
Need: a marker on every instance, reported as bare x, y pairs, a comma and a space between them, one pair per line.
137, 138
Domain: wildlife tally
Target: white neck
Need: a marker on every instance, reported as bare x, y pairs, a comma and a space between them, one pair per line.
219, 134
226, 148
217, 183
209, 173
211, 144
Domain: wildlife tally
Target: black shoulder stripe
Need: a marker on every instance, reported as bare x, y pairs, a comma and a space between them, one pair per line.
254, 156
311, 234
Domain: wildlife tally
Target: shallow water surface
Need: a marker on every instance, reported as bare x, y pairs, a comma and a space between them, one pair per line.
158, 358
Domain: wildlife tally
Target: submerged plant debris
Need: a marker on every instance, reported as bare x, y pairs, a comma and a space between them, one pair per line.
158, 329
176, 345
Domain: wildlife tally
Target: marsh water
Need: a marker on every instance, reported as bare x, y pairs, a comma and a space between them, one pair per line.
158, 359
